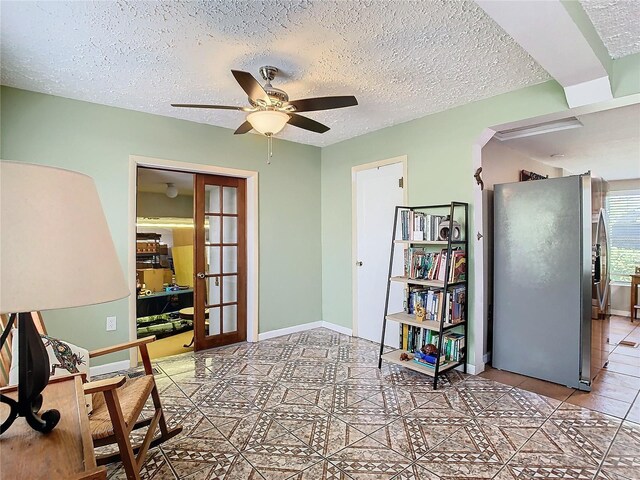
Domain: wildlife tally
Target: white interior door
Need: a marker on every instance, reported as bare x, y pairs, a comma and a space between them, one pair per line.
377, 194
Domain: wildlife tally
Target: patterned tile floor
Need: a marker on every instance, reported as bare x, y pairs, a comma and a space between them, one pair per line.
313, 405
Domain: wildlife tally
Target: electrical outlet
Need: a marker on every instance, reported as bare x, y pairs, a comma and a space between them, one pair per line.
111, 324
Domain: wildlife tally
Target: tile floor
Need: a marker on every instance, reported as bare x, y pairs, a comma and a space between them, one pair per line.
313, 405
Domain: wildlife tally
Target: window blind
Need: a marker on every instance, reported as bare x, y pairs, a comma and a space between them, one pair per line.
623, 212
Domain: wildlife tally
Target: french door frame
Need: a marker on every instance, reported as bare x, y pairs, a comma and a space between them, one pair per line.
251, 177
204, 339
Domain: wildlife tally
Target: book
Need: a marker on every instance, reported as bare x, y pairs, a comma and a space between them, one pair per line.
458, 266
442, 268
418, 226
404, 335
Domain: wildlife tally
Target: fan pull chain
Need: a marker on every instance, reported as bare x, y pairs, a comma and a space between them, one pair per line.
269, 148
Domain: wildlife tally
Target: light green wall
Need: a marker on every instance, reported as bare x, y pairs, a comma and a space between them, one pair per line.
305, 254
439, 151
159, 205
98, 140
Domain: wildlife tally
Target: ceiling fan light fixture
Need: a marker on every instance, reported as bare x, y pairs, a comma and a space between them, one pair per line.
172, 191
268, 122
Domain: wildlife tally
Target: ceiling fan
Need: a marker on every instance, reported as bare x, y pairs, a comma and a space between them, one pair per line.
271, 108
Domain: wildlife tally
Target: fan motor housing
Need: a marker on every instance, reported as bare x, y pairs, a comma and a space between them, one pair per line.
276, 95
279, 95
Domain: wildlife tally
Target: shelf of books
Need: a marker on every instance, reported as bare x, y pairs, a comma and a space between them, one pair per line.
434, 319
407, 319
420, 281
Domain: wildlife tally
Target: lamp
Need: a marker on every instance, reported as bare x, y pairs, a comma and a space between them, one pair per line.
172, 191
268, 122
55, 252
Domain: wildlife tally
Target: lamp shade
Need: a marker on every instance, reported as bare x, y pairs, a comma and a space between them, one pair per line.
55, 247
268, 122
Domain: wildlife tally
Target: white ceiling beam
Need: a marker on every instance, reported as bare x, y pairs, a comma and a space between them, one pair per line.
546, 30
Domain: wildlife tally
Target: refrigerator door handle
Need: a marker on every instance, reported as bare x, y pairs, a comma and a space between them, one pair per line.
596, 265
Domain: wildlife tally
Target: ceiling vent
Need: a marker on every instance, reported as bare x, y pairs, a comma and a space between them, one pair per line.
539, 129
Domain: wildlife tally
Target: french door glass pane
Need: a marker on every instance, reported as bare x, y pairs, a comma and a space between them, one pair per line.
212, 199
230, 318
213, 290
213, 259
229, 200
212, 230
229, 259
230, 232
230, 289
214, 321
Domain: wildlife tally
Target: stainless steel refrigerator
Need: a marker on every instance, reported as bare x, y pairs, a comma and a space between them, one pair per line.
551, 284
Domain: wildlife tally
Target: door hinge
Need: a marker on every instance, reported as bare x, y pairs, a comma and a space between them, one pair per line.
401, 182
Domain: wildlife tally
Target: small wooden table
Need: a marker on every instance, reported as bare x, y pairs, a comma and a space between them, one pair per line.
189, 314
66, 452
635, 281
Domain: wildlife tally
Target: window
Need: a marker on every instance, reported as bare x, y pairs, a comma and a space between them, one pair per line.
623, 212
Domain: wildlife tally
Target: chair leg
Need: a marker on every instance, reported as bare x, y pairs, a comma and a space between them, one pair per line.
144, 354
148, 438
157, 441
164, 430
122, 435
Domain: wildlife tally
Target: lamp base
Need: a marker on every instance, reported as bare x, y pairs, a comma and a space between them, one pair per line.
33, 376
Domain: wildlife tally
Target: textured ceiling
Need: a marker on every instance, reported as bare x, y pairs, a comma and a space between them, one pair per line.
402, 59
618, 24
608, 144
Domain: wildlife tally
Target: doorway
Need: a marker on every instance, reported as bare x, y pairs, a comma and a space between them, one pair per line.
377, 189
164, 260
604, 144
252, 224
188, 223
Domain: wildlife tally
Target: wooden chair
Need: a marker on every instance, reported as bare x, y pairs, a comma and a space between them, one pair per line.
117, 405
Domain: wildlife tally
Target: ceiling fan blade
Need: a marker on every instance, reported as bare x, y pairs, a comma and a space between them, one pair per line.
216, 107
244, 128
323, 103
251, 86
306, 123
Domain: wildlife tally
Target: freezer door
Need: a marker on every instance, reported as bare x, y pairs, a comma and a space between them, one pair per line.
539, 249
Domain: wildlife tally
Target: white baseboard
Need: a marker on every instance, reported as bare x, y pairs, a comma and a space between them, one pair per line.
486, 358
620, 313
301, 328
109, 368
473, 369
337, 328
289, 330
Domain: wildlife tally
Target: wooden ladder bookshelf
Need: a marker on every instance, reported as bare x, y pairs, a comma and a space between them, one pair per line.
440, 326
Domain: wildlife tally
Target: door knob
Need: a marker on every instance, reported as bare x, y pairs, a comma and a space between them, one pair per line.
359, 264
200, 275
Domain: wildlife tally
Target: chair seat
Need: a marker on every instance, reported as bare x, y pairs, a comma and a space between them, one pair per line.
132, 396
